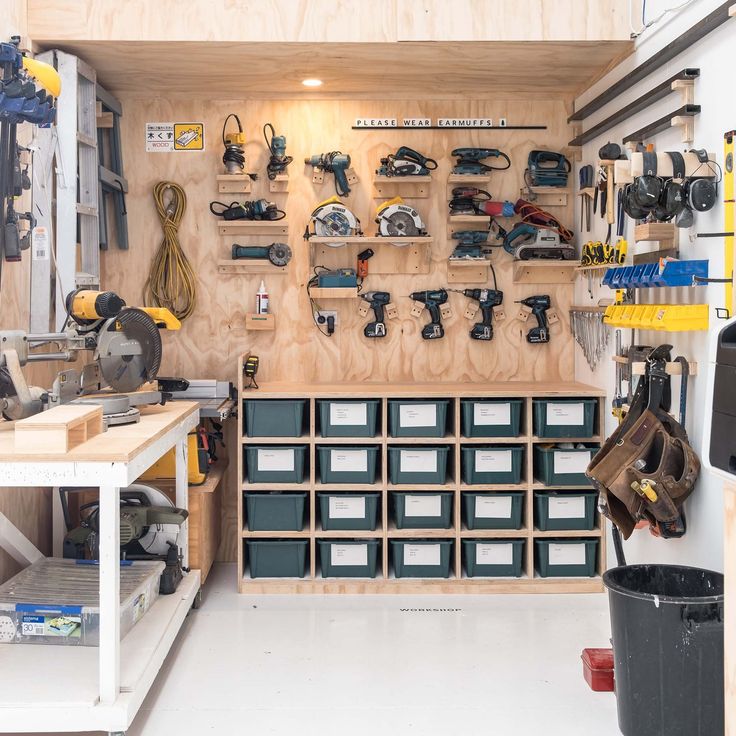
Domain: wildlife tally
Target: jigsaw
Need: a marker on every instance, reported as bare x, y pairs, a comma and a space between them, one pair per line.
470, 160
406, 162
332, 218
547, 169
395, 218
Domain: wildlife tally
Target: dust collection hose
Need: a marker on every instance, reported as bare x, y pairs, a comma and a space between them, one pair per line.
171, 281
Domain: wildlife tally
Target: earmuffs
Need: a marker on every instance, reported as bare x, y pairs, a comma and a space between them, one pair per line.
647, 188
673, 197
702, 194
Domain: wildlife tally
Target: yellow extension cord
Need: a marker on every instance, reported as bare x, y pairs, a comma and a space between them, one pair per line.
171, 282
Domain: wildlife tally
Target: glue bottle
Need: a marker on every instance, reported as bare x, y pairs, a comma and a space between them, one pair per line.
262, 299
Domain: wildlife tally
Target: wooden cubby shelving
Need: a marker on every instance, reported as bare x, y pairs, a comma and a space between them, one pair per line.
385, 582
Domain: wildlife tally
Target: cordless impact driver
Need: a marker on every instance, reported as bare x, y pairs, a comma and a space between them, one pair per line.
377, 300
432, 301
487, 299
539, 304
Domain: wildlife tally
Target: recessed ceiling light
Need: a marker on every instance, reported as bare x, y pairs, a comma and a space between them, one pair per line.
312, 82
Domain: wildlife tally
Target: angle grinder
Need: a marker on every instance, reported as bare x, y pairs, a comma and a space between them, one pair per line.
278, 253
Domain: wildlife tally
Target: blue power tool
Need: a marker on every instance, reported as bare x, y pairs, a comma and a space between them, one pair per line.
547, 169
469, 160
336, 163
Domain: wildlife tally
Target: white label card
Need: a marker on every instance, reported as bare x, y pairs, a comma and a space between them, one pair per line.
349, 554
275, 460
418, 461
423, 505
566, 507
491, 414
353, 415
417, 415
422, 554
565, 414
494, 554
571, 462
346, 461
351, 507
493, 461
40, 243
493, 507
567, 554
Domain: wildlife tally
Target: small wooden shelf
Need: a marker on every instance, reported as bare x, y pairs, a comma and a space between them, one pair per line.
482, 487
420, 487
567, 534
253, 227
468, 270
595, 267
410, 187
398, 242
412, 255
334, 292
260, 321
469, 178
280, 183
655, 232
522, 533
544, 272
546, 196
395, 533
233, 183
348, 534
249, 265
638, 368
539, 486
554, 440
447, 439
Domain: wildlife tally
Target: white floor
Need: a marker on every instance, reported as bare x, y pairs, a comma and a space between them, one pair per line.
331, 665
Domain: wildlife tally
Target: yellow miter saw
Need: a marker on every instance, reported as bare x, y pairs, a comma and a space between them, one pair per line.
126, 354
395, 218
332, 219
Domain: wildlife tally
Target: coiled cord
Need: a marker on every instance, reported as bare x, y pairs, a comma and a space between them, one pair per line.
277, 163
255, 209
171, 282
234, 154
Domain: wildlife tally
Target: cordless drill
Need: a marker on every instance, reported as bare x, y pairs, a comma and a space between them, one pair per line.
432, 301
487, 299
539, 304
378, 300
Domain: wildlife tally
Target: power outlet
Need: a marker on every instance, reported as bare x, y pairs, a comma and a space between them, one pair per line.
322, 316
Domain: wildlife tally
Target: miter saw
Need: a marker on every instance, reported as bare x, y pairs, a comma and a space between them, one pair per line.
332, 218
406, 162
395, 218
126, 347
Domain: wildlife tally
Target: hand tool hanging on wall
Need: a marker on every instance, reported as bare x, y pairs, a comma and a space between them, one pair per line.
395, 218
277, 253
406, 162
256, 209
434, 302
337, 164
234, 154
278, 161
470, 160
332, 218
538, 306
487, 300
250, 370
590, 332
379, 302
586, 176
546, 169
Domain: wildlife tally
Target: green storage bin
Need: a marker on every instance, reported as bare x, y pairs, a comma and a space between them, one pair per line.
277, 558
421, 558
491, 417
423, 510
348, 510
486, 464
417, 465
275, 511
554, 466
494, 510
417, 417
348, 418
348, 558
346, 464
566, 558
563, 510
564, 417
274, 417
493, 557
276, 463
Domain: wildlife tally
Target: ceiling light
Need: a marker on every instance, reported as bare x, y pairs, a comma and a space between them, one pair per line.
312, 82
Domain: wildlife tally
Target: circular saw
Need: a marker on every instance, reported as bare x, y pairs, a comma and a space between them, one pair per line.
332, 218
397, 219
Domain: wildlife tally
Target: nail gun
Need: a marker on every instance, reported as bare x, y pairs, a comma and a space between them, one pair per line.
487, 299
432, 300
539, 304
469, 160
406, 162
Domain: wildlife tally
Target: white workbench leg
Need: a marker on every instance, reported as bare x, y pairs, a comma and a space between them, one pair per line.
182, 494
109, 651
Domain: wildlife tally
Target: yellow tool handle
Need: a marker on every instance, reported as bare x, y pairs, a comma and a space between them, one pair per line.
609, 195
44, 74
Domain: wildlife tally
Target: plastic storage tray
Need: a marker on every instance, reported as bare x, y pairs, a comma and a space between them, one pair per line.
348, 558
493, 557
564, 417
57, 601
417, 465
648, 275
277, 558
563, 510
349, 511
346, 464
421, 558
417, 417
276, 463
494, 510
348, 418
566, 558
423, 510
275, 511
491, 417
556, 467
598, 669
487, 464
274, 417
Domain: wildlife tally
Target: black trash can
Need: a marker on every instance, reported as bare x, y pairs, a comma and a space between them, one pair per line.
667, 624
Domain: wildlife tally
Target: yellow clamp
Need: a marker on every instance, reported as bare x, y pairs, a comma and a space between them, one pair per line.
645, 488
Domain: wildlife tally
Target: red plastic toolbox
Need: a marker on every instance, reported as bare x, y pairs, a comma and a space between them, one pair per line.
598, 669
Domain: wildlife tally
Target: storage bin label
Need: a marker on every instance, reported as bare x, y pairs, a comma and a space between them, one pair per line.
417, 415
349, 414
494, 554
487, 414
570, 461
565, 414
345, 461
422, 554
423, 505
341, 507
567, 554
493, 507
493, 461
275, 460
349, 554
566, 507
418, 461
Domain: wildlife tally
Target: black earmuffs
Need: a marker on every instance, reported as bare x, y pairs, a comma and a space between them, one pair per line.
630, 206
647, 188
673, 197
702, 194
